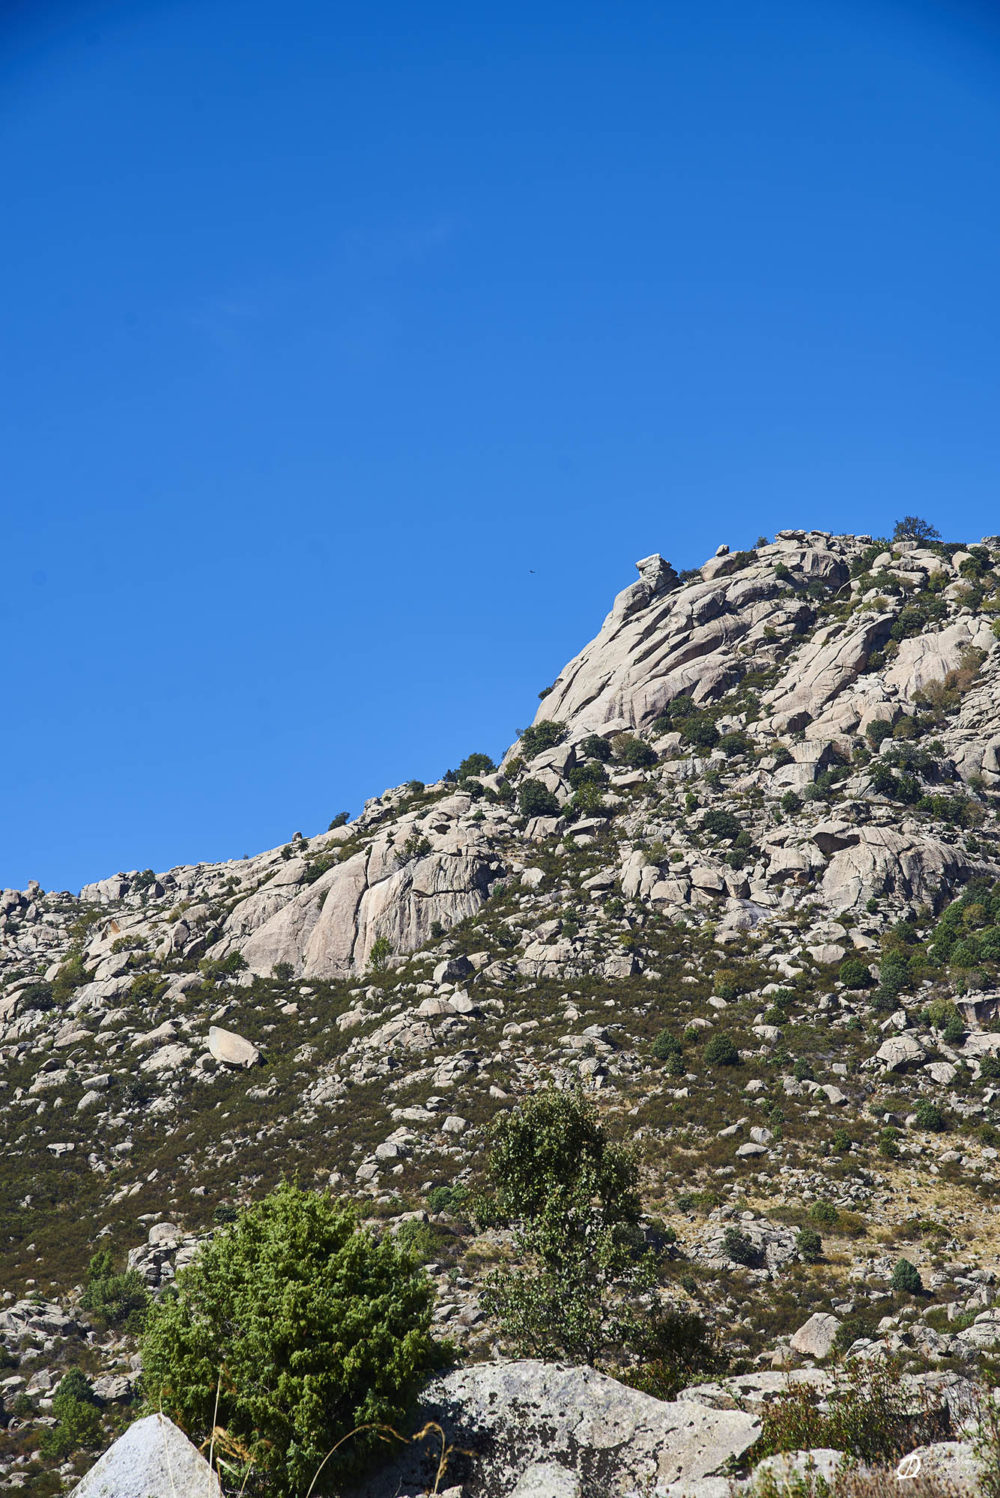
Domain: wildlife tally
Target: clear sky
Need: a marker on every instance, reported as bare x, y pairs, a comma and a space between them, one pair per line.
353, 353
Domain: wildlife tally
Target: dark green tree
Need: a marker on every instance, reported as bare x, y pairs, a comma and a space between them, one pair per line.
906, 1278
913, 528
534, 799
571, 1196
78, 1420
317, 1325
475, 764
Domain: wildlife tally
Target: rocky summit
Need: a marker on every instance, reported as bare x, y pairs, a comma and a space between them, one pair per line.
739, 882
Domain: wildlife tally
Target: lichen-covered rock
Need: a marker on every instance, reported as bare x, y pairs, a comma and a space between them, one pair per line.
507, 1418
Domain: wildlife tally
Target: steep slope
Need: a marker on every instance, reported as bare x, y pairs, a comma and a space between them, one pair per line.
759, 807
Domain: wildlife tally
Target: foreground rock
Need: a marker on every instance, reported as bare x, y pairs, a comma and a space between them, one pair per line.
153, 1459
532, 1427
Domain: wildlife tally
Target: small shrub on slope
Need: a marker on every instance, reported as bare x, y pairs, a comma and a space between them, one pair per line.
867, 1414
78, 1421
114, 1300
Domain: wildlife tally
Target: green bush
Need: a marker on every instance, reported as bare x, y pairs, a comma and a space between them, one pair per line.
543, 1148
913, 528
854, 974
679, 1348
700, 731
78, 1421
117, 1300
541, 736
888, 1143
929, 1116
475, 764
448, 1199
591, 772
69, 977
632, 752
594, 747
721, 1050
732, 744
954, 1031
878, 731
673, 716
740, 1248
665, 1046
906, 1278
320, 1327
534, 799
722, 824
809, 1244
379, 954
883, 782
790, 803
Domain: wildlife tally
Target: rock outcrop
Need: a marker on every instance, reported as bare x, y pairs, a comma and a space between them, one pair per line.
517, 1426
153, 1459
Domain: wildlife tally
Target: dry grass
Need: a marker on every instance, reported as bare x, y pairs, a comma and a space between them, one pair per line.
878, 1482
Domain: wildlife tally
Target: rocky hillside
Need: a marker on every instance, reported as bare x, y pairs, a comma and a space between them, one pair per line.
740, 879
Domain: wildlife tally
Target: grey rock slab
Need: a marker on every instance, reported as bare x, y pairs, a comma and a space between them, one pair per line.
153, 1459
547, 1480
786, 1466
699, 1487
900, 1051
504, 1418
232, 1049
815, 1337
951, 1463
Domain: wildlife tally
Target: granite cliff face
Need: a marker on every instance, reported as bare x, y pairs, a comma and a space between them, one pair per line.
761, 805
826, 654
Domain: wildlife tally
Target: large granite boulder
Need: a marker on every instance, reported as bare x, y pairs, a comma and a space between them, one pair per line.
562, 1430
153, 1459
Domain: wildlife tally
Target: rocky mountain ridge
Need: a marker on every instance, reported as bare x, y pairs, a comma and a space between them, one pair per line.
758, 809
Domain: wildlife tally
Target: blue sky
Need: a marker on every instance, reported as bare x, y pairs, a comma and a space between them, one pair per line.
354, 353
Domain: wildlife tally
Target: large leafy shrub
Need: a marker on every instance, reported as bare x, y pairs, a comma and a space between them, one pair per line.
700, 730
539, 736
316, 1327
534, 799
571, 1197
632, 752
721, 1051
680, 1347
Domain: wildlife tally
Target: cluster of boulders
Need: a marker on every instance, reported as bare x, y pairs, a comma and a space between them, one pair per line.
541, 1430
